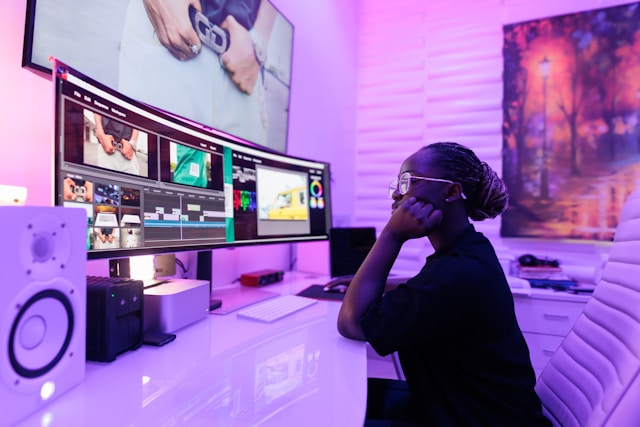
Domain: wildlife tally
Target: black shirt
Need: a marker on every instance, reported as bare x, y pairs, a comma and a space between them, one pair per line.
116, 129
245, 11
460, 346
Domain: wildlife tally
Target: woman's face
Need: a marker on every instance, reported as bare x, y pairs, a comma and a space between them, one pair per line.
433, 192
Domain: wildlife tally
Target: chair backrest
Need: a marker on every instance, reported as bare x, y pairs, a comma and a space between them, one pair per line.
593, 379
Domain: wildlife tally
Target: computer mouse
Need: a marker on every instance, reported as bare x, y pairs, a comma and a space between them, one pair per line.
337, 287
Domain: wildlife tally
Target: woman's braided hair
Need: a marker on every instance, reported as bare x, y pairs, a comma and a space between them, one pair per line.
487, 195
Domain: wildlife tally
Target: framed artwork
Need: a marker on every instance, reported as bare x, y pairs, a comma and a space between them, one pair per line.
571, 123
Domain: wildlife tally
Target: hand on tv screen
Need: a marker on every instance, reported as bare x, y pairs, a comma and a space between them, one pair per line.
128, 145
69, 184
240, 60
171, 21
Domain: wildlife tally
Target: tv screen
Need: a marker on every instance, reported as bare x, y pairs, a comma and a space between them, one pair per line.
226, 65
151, 182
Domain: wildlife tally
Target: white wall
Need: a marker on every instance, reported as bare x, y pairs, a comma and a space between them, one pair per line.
323, 111
432, 71
323, 114
26, 113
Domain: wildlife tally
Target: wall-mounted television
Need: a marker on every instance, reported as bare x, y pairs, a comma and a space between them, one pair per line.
227, 65
152, 183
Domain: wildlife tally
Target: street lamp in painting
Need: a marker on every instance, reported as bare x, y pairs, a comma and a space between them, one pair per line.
545, 69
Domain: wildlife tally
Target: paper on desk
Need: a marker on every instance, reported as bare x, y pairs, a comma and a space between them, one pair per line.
518, 285
581, 273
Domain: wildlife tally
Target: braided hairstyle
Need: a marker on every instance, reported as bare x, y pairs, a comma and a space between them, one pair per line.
487, 195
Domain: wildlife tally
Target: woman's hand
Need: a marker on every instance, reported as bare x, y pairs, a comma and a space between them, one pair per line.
412, 219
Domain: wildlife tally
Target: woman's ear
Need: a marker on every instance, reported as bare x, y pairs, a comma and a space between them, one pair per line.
454, 192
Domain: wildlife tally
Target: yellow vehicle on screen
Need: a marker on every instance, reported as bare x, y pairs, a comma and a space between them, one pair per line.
290, 204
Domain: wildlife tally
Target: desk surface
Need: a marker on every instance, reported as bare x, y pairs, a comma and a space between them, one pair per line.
225, 370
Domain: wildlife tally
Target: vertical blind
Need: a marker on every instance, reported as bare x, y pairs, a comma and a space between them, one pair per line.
427, 72
431, 70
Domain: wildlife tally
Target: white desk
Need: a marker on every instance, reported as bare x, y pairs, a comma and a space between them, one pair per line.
226, 370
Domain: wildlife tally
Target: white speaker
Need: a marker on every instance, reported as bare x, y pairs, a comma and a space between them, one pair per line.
42, 306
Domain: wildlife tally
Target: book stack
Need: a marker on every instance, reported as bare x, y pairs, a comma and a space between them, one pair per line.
546, 276
540, 272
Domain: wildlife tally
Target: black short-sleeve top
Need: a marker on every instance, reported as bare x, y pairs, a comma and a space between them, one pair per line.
460, 346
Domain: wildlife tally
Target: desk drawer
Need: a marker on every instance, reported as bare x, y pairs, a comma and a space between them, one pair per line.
541, 348
547, 316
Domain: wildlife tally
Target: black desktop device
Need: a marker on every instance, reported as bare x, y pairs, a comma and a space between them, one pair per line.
114, 317
348, 248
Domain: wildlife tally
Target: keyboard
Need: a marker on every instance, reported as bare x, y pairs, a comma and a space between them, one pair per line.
276, 308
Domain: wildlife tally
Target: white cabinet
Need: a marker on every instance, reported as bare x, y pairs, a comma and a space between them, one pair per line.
545, 318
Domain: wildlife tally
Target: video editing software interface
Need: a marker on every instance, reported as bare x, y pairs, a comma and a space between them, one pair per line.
151, 182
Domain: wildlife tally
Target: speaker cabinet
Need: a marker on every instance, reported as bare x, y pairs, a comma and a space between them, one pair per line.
42, 306
348, 248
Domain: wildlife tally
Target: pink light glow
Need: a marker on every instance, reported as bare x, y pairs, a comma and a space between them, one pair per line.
26, 115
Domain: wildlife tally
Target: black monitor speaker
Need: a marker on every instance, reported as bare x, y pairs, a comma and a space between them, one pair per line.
349, 247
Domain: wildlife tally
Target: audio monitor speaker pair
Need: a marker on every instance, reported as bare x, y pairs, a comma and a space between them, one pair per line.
42, 306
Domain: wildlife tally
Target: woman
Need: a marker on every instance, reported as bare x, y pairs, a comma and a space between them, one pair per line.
453, 325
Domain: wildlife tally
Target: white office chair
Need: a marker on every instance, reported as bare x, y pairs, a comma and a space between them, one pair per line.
593, 379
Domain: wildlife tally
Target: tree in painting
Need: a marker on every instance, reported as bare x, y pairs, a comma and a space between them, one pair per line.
571, 127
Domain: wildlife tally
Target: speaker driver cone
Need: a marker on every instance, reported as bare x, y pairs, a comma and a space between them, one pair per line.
41, 333
45, 247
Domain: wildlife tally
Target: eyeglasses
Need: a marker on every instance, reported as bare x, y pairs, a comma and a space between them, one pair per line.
402, 184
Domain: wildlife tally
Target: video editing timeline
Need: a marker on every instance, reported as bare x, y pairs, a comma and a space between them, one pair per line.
171, 215
153, 182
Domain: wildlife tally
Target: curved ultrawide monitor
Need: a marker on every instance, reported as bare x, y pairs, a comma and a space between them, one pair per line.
229, 64
152, 183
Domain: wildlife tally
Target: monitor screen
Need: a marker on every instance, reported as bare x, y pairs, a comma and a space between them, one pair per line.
151, 182
229, 63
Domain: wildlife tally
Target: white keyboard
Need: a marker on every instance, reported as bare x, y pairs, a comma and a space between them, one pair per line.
276, 308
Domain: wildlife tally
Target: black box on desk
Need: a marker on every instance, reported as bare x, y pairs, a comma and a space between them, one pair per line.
114, 317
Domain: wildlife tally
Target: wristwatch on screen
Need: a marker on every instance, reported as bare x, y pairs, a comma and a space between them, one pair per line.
258, 47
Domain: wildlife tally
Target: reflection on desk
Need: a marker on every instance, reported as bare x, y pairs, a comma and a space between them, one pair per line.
224, 371
247, 387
